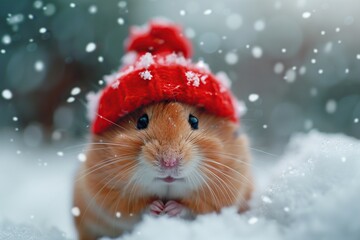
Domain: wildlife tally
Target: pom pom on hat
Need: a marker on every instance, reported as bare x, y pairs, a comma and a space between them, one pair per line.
159, 36
161, 70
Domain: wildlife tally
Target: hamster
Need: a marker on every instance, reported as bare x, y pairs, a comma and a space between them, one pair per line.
167, 158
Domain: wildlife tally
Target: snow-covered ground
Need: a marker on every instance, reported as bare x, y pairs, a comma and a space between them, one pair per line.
311, 192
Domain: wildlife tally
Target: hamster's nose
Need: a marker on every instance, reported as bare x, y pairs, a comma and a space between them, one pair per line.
169, 162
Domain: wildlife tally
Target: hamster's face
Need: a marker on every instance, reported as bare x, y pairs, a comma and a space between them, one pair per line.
166, 150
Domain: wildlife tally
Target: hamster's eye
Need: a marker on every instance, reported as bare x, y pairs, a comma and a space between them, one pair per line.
142, 122
194, 122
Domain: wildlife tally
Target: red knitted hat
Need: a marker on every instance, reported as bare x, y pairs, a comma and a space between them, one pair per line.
157, 68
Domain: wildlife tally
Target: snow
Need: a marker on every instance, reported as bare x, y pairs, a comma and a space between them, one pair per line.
81, 157
290, 76
120, 21
259, 25
311, 192
115, 84
194, 79
92, 104
70, 100
279, 68
231, 58
224, 80
234, 21
93, 9
306, 15
75, 91
6, 39
257, 52
253, 97
207, 12
90, 47
146, 75
122, 4
75, 211
145, 61
6, 94
331, 106
42, 30
39, 66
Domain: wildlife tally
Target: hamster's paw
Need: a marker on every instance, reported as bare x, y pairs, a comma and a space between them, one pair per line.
174, 209
157, 207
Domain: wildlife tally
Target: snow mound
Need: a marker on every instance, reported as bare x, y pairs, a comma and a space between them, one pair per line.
10, 231
315, 195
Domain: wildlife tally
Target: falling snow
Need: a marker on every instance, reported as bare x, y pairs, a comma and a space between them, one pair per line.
207, 12
75, 211
234, 21
70, 100
120, 21
306, 15
6, 39
93, 9
39, 66
257, 52
331, 106
90, 47
6, 94
75, 91
253, 97
259, 25
81, 157
279, 68
231, 58
42, 30
290, 76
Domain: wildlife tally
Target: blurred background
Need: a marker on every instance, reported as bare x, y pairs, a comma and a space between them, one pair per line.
296, 64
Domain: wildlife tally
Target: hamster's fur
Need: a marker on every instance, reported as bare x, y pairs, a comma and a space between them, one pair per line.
166, 168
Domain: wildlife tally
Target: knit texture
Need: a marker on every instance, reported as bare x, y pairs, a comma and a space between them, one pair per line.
161, 71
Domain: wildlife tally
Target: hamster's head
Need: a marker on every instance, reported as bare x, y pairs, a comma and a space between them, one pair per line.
168, 150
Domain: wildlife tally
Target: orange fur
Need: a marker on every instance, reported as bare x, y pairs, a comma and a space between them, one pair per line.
104, 183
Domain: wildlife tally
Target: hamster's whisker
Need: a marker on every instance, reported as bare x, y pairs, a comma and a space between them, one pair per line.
229, 168
112, 123
255, 149
200, 193
233, 189
213, 195
223, 173
232, 157
97, 193
262, 151
101, 165
223, 186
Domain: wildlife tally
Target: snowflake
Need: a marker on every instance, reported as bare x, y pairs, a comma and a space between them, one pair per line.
145, 61
115, 84
146, 75
195, 78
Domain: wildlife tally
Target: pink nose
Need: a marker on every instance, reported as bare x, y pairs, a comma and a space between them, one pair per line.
169, 162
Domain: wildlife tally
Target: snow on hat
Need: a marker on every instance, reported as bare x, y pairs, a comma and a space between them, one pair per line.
157, 67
